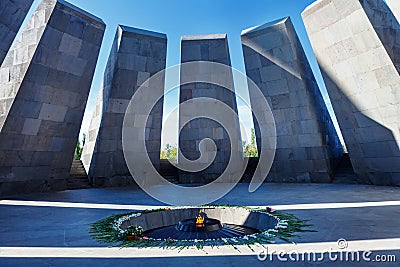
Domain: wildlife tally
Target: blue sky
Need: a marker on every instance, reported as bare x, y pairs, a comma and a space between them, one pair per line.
179, 17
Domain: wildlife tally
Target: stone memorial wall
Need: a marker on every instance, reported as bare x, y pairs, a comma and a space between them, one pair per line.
357, 48
307, 143
212, 48
44, 84
135, 56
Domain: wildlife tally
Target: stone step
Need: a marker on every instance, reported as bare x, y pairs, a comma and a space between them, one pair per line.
77, 175
76, 162
344, 173
78, 178
77, 168
345, 176
83, 172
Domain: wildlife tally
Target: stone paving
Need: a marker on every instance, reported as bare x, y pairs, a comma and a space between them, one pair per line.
57, 224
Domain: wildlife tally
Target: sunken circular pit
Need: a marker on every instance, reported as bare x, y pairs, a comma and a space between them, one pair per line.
197, 226
201, 228
210, 223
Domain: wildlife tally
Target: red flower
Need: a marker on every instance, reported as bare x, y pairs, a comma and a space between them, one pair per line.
133, 237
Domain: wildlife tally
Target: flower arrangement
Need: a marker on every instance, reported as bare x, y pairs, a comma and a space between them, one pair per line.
133, 232
109, 230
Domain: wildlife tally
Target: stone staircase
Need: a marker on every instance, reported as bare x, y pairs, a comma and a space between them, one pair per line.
344, 173
168, 171
78, 178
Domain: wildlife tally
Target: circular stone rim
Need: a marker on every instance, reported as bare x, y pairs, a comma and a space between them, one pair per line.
136, 218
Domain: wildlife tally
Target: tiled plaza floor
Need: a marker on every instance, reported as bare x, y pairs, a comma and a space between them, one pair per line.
51, 229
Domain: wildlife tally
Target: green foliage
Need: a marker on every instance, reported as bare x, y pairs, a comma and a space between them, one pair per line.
103, 230
169, 152
134, 230
250, 150
79, 148
287, 228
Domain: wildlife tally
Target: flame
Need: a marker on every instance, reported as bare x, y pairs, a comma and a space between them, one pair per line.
200, 220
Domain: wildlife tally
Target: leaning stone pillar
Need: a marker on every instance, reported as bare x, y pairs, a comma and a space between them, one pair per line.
357, 45
136, 55
307, 142
44, 85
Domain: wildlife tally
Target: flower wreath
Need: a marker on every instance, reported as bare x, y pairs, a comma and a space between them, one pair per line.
109, 230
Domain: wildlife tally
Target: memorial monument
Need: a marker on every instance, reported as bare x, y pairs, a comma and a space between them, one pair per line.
136, 55
358, 53
44, 84
307, 143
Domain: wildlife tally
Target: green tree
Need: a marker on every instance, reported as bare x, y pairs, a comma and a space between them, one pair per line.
79, 148
250, 150
169, 152
163, 154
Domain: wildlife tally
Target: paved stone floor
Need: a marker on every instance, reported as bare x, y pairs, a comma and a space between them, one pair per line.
51, 229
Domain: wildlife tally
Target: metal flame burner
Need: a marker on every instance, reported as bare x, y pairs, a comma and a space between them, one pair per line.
207, 226
209, 229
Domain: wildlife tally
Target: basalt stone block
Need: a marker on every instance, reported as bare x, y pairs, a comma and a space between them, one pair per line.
357, 46
276, 62
12, 14
135, 56
43, 94
212, 48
